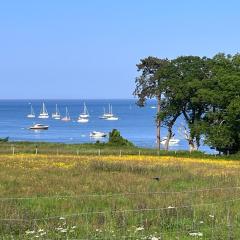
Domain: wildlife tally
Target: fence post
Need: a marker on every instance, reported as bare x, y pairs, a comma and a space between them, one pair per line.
36, 150
99, 152
120, 153
77, 152
139, 152
13, 150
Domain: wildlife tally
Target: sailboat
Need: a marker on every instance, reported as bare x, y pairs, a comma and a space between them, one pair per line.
43, 114
83, 117
56, 115
85, 113
67, 116
107, 115
110, 116
31, 114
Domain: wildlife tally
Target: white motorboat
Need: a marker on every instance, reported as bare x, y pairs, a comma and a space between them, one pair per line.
85, 113
172, 142
57, 114
96, 134
39, 127
31, 114
67, 117
82, 120
43, 114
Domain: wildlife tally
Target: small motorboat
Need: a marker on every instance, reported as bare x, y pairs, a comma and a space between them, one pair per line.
96, 134
39, 127
172, 142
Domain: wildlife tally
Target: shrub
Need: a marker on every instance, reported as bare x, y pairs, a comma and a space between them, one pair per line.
116, 139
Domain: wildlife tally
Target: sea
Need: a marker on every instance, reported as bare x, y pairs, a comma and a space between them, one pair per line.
137, 124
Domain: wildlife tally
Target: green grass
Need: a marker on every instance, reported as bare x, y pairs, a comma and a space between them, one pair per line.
96, 149
107, 197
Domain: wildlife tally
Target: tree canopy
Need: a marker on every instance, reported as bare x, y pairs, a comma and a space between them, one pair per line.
205, 91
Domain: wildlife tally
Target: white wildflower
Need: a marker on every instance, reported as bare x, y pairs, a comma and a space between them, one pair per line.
73, 227
61, 218
139, 228
196, 234
40, 230
43, 233
63, 230
59, 228
154, 238
201, 222
211, 216
29, 232
171, 207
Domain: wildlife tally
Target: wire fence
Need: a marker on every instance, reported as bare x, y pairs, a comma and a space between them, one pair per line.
57, 149
211, 213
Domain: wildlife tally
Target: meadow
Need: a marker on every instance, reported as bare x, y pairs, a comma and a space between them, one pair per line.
77, 196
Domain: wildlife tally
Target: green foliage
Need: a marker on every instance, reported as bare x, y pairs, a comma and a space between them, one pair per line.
206, 92
4, 139
116, 139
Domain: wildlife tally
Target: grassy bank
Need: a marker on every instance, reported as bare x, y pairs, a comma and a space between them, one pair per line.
118, 197
97, 149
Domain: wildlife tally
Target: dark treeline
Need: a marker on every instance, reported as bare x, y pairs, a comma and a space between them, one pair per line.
205, 91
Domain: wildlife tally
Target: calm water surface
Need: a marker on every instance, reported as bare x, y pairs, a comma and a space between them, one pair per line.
136, 124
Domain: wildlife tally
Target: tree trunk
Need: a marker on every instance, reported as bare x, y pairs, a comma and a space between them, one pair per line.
158, 123
192, 145
169, 136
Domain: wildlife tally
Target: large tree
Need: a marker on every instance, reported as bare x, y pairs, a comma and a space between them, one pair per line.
222, 121
148, 85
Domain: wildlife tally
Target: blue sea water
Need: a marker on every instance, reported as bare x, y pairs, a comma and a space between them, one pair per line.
135, 123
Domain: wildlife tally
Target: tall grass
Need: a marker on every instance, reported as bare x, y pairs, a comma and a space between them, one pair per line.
118, 197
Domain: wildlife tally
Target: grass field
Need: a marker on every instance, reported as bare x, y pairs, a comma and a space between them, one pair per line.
49, 196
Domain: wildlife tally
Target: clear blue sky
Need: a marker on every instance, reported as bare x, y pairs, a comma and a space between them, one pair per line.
89, 49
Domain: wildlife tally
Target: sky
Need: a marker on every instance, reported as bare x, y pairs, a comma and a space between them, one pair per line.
89, 49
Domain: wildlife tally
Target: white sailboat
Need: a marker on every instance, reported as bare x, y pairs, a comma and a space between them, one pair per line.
82, 120
107, 115
31, 114
84, 116
43, 114
56, 115
110, 116
67, 116
85, 113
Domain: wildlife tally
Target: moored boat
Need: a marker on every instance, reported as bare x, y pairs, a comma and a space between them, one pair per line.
43, 114
96, 134
39, 127
31, 114
172, 142
82, 120
57, 114
67, 116
85, 113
